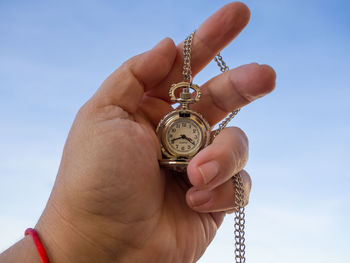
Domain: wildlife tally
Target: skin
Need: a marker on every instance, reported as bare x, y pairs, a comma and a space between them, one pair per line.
111, 202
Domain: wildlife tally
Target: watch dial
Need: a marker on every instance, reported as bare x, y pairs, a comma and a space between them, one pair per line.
184, 136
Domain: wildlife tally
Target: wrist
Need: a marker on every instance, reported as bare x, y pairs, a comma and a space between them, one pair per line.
68, 243
23, 251
65, 242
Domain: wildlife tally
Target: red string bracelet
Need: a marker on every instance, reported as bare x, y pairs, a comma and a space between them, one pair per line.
39, 246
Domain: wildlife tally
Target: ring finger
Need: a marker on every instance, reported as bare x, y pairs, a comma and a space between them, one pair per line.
221, 198
216, 163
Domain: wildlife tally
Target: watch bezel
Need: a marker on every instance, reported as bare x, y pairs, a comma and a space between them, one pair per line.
173, 116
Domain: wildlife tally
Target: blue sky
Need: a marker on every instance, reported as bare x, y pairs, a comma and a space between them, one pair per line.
54, 55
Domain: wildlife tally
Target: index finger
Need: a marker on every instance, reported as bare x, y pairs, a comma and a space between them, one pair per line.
211, 37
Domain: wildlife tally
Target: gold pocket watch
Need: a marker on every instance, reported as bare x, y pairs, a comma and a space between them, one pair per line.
182, 132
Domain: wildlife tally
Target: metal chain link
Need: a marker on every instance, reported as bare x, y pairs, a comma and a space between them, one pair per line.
239, 219
187, 72
238, 184
221, 63
223, 68
237, 179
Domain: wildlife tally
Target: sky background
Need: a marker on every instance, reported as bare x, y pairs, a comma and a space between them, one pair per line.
54, 55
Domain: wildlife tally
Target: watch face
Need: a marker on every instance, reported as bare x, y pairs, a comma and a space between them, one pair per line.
184, 136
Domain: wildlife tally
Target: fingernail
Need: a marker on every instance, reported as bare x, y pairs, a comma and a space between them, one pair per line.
198, 198
209, 171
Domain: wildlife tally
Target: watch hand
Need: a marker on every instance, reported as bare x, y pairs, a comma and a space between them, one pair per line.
182, 136
189, 139
173, 140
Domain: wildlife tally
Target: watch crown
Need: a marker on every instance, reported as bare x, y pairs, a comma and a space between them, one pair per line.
185, 96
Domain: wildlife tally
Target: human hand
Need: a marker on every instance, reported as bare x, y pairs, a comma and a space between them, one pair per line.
111, 202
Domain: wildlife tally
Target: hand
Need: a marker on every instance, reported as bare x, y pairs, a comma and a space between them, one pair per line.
183, 136
111, 202
187, 138
178, 138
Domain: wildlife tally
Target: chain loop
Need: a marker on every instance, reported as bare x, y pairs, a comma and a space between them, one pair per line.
187, 72
238, 184
237, 179
223, 68
239, 219
221, 63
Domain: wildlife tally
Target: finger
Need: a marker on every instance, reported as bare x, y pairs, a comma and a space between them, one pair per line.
218, 218
233, 89
211, 37
221, 198
125, 86
216, 163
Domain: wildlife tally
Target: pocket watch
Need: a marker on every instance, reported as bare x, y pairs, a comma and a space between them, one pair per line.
182, 132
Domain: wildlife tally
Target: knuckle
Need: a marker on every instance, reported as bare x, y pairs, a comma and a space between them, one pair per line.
231, 149
237, 89
247, 179
111, 112
242, 135
240, 149
85, 110
97, 111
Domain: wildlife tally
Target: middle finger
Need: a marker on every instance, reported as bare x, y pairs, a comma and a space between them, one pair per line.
231, 90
